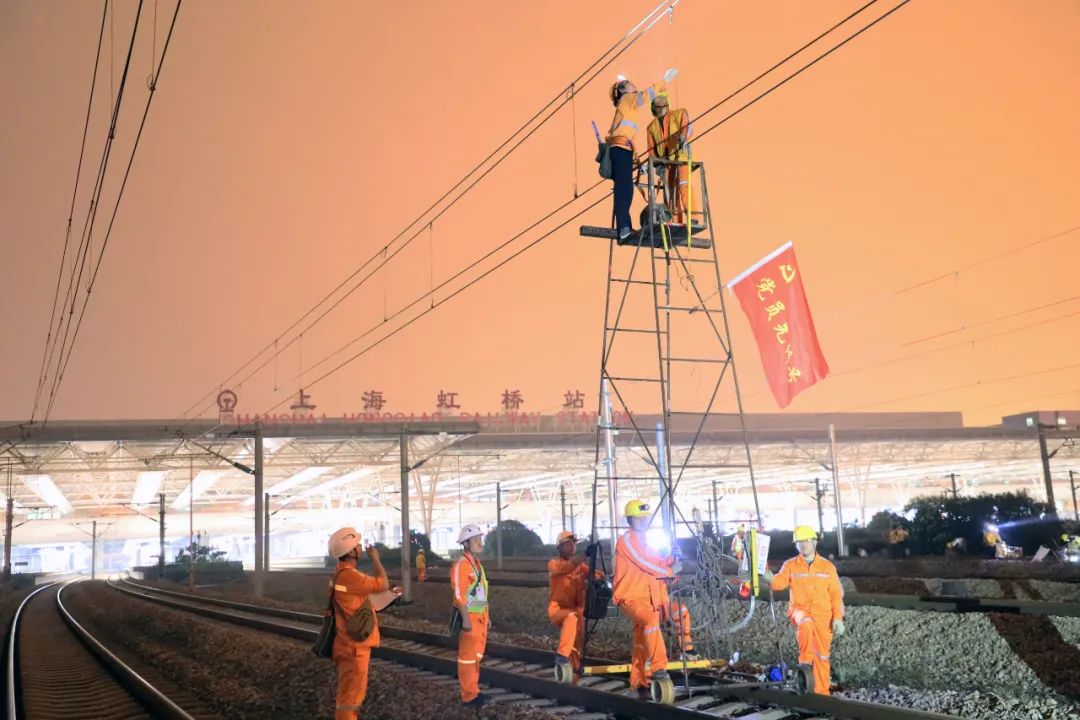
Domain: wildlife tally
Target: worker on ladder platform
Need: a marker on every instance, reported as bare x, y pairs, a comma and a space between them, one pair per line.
566, 604
668, 135
421, 566
629, 111
470, 587
641, 594
816, 607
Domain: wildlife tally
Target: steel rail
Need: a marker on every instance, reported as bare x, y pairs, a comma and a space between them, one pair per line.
623, 705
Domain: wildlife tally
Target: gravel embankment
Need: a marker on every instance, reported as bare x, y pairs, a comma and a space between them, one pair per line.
957, 664
249, 675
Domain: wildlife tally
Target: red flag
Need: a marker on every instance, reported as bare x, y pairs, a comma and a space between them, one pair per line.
773, 297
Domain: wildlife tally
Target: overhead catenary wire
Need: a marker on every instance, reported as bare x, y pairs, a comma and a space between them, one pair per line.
71, 213
75, 280
119, 195
502, 263
983, 261
559, 101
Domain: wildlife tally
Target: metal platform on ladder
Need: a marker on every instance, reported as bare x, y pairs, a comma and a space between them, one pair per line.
666, 367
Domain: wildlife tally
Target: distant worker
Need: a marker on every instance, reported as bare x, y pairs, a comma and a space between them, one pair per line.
641, 594
470, 587
421, 566
351, 590
629, 111
668, 137
1072, 542
991, 535
816, 607
738, 543
566, 603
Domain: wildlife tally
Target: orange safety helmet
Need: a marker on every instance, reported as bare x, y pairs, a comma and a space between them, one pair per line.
564, 536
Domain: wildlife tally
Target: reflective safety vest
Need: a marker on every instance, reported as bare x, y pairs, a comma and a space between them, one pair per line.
667, 136
640, 571
629, 113
470, 584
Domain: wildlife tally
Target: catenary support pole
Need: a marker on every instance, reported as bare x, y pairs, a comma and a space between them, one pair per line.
498, 526
258, 511
93, 550
841, 546
406, 546
161, 537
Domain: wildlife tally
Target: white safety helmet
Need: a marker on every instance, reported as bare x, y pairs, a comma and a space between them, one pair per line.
469, 531
342, 541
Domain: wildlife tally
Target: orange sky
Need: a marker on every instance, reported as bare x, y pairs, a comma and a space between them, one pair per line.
288, 142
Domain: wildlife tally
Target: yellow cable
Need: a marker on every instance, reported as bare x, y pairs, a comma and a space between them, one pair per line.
689, 190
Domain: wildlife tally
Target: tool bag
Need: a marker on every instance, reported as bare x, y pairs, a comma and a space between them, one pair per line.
603, 158
598, 590
324, 643
358, 626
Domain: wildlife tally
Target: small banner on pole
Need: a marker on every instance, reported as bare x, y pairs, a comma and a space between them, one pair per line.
772, 295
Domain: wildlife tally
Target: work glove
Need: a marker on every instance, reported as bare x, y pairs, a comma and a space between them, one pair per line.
768, 575
670, 74
838, 627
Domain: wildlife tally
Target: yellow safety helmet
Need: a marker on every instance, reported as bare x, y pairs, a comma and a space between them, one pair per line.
564, 536
805, 532
1065, 537
661, 100
637, 508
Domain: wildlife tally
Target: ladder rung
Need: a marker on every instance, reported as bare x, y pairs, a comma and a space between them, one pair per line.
710, 466
636, 379
634, 282
689, 260
637, 330
689, 309
693, 360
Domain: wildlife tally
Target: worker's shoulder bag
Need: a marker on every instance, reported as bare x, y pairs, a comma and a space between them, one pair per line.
358, 626
324, 643
361, 624
454, 625
603, 158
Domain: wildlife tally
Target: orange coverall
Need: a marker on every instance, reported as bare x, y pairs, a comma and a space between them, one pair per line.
665, 139
642, 596
817, 598
566, 605
470, 586
421, 567
351, 588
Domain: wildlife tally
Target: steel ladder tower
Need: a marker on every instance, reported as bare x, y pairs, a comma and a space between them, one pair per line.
665, 332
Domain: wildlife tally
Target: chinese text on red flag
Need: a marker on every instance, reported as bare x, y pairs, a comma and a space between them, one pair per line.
773, 297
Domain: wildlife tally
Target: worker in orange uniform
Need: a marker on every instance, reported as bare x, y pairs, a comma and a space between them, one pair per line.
421, 566
629, 111
351, 589
641, 594
668, 135
470, 586
816, 607
566, 603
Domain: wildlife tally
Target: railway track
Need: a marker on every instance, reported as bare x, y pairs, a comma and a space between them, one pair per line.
918, 603
57, 669
523, 676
